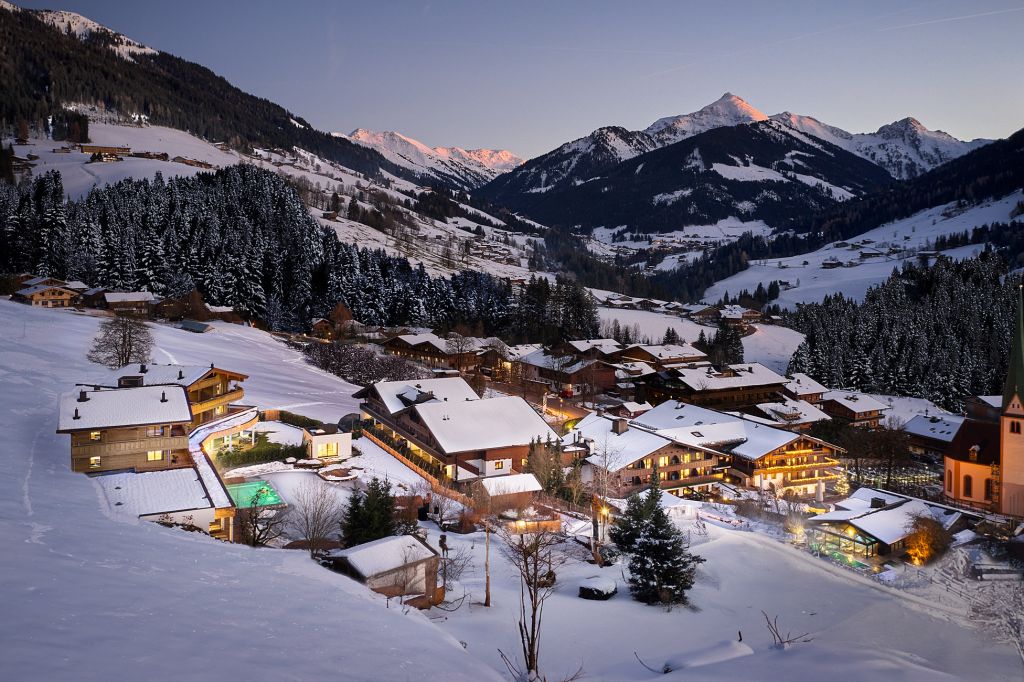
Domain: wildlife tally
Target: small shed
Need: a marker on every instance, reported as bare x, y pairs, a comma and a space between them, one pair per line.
195, 327
513, 491
396, 566
327, 442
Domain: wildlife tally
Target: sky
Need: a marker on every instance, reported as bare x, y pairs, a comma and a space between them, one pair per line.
528, 76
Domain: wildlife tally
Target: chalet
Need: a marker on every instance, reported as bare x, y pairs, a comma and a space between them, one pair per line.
701, 313
662, 355
396, 566
47, 296
984, 466
94, 297
756, 455
738, 316
932, 435
140, 428
625, 454
322, 329
133, 303
794, 415
732, 387
444, 422
604, 349
431, 350
875, 523
802, 387
211, 392
497, 360
169, 308
568, 374
858, 409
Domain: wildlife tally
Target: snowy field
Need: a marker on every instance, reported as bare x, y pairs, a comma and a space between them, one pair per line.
88, 598
811, 282
860, 630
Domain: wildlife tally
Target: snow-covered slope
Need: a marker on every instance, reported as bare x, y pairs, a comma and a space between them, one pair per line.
84, 27
905, 148
467, 168
87, 597
728, 110
810, 279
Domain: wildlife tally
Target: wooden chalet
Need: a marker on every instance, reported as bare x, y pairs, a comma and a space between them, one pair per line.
131, 303
857, 409
732, 387
47, 296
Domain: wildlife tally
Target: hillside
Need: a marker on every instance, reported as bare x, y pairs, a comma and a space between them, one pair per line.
207, 609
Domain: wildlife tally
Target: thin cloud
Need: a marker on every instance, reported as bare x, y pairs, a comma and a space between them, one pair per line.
949, 19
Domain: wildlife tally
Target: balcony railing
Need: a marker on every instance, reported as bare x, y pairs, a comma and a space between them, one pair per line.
222, 399
95, 448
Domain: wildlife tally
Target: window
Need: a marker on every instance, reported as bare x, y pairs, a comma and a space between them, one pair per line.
94, 462
988, 489
663, 461
156, 431
95, 435
154, 455
327, 450
499, 464
949, 480
1015, 427
967, 486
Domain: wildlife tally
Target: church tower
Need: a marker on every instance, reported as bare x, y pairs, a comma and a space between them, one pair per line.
1010, 476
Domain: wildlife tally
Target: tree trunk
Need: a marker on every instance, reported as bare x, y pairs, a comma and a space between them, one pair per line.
487, 564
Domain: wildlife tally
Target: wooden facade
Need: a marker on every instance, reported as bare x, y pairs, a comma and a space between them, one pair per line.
141, 448
48, 296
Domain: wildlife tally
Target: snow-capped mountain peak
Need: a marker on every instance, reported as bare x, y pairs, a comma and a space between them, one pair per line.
468, 168
75, 24
727, 110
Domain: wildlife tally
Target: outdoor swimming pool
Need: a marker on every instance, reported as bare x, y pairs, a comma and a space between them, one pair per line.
243, 493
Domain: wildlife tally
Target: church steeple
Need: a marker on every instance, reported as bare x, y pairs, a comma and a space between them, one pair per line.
1014, 385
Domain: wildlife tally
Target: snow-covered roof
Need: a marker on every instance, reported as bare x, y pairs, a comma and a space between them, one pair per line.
856, 402
39, 280
153, 492
602, 345
511, 484
437, 342
120, 407
518, 351
443, 389
635, 407
77, 285
891, 524
154, 374
790, 412
483, 424
633, 369
735, 312
35, 289
129, 297
668, 351
800, 385
220, 308
387, 554
943, 428
614, 451
993, 400
567, 364
744, 374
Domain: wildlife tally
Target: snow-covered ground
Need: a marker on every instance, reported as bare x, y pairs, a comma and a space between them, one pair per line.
859, 629
654, 324
89, 598
812, 282
771, 345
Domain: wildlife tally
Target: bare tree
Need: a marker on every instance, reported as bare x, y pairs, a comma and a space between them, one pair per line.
482, 505
606, 455
121, 340
1000, 608
458, 345
260, 526
535, 556
316, 512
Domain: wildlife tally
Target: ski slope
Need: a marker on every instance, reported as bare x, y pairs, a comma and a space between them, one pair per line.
89, 598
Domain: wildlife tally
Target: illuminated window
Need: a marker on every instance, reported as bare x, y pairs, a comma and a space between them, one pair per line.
154, 455
663, 461
95, 435
94, 462
499, 464
327, 450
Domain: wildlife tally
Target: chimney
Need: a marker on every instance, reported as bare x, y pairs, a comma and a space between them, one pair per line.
211, 365
142, 368
877, 502
82, 397
163, 396
181, 375
620, 426
76, 414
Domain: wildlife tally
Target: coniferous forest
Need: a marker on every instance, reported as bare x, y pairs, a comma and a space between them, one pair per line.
940, 332
243, 238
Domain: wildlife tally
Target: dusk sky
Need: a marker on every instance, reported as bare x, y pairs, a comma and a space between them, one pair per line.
528, 76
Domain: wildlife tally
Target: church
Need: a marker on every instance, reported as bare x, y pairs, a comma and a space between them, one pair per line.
984, 467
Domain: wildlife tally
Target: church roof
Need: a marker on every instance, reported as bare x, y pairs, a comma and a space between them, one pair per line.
1015, 374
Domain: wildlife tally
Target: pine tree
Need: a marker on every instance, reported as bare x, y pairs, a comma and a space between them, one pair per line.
661, 568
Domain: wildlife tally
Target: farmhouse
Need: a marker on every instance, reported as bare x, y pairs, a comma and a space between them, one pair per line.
444, 423
134, 303
47, 296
